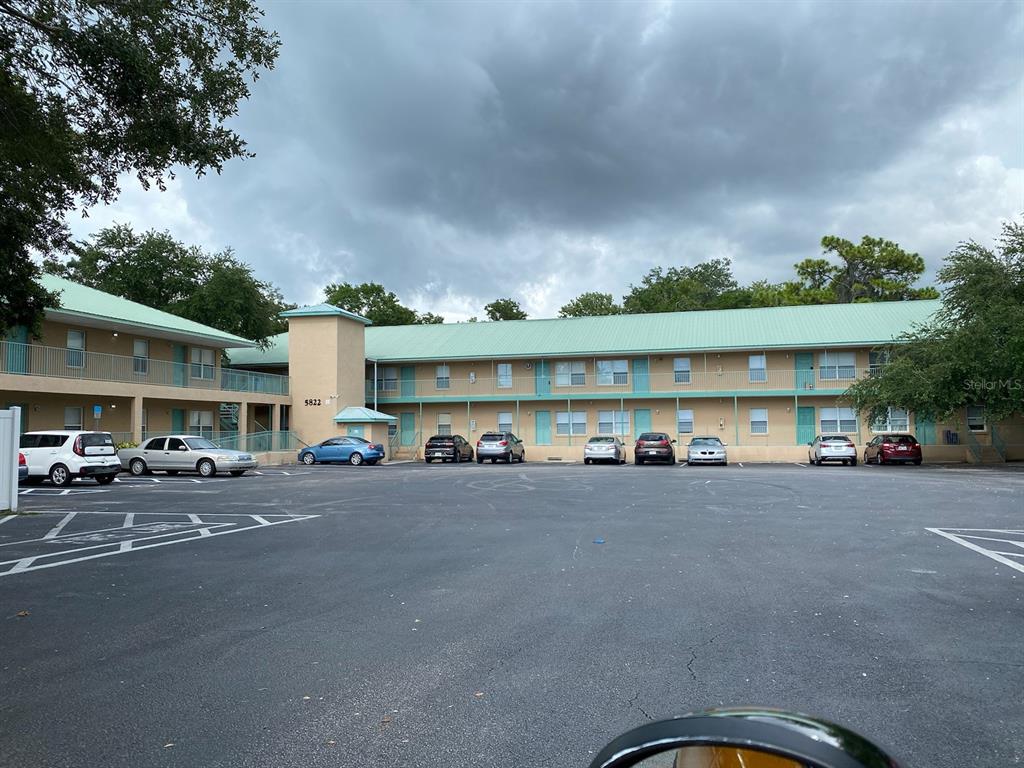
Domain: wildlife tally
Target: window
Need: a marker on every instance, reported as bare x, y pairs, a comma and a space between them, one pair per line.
387, 379
202, 363
156, 444
838, 420
444, 422
612, 372
876, 360
504, 421
837, 365
504, 375
757, 366
896, 420
681, 370
140, 357
571, 422
442, 377
392, 430
759, 421
174, 444
684, 421
200, 423
613, 422
975, 418
571, 374
75, 356
73, 417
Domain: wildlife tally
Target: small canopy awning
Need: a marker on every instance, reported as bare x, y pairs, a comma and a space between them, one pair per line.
354, 414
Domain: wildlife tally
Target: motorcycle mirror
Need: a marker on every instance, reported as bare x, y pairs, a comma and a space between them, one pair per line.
742, 738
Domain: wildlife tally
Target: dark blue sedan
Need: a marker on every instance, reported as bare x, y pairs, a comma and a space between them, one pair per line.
351, 449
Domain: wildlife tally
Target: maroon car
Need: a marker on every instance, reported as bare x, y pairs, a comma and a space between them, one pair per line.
890, 449
654, 446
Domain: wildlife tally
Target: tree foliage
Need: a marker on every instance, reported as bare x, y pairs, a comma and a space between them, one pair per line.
154, 269
92, 89
591, 304
972, 352
504, 309
873, 270
680, 289
377, 304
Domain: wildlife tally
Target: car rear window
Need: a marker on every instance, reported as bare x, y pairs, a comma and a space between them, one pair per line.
835, 438
493, 436
441, 439
653, 436
94, 439
602, 440
902, 439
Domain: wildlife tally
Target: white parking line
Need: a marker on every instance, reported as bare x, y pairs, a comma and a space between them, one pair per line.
5, 518
999, 557
55, 531
800, 465
129, 520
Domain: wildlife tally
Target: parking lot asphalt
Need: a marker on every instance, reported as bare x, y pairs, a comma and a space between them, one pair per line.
442, 615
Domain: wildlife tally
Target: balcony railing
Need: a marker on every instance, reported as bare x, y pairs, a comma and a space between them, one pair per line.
537, 386
63, 363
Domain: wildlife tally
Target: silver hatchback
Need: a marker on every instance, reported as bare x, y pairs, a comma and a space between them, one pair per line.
604, 449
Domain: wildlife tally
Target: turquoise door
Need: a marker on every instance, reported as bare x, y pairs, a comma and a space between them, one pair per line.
17, 350
542, 379
641, 376
641, 420
407, 428
804, 366
180, 365
355, 430
408, 376
924, 430
543, 422
178, 420
804, 424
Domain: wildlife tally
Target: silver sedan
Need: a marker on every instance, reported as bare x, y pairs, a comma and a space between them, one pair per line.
706, 450
604, 449
179, 453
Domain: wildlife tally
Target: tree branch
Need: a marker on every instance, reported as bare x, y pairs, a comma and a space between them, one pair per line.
10, 10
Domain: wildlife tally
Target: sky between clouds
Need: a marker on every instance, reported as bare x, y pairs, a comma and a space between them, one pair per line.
459, 152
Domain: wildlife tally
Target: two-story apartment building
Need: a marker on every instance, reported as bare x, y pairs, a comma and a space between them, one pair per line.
102, 362
765, 381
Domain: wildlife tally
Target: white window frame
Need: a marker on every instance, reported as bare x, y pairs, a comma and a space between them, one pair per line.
978, 415
684, 418
201, 369
140, 362
612, 373
612, 422
442, 377
681, 371
75, 355
504, 374
837, 421
755, 423
196, 425
899, 424
837, 366
387, 379
444, 427
505, 424
571, 373
757, 373
76, 421
569, 423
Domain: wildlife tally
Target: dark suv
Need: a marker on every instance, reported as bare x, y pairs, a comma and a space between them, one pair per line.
447, 448
654, 446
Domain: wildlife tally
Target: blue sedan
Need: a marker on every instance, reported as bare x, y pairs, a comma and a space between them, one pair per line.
351, 449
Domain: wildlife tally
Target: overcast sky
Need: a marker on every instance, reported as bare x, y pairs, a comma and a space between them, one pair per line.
458, 152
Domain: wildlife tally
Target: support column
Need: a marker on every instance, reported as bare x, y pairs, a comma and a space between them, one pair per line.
736, 417
243, 420
137, 419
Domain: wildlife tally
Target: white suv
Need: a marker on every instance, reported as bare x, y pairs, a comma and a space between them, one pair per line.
63, 455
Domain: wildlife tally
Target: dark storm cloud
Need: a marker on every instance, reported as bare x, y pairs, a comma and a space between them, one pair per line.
582, 143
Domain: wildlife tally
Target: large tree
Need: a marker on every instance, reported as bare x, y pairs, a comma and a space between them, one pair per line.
679, 289
590, 304
504, 309
153, 268
872, 270
972, 352
379, 305
93, 89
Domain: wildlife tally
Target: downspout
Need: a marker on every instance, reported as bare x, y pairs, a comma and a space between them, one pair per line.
736, 417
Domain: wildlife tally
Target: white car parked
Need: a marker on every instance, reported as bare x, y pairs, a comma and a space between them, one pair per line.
832, 448
62, 455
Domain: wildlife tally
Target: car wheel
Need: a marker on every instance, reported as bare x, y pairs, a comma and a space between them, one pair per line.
355, 459
494, 459
917, 462
428, 460
479, 460
879, 459
104, 479
672, 460
586, 461
638, 461
237, 472
308, 459
522, 457
137, 467
206, 468
456, 458
60, 475
853, 462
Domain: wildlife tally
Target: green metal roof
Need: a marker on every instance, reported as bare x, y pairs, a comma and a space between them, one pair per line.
276, 354
827, 325
320, 310
355, 414
79, 301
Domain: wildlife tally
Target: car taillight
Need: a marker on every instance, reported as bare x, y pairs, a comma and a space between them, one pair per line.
888, 445
503, 442
21, 460
78, 446
479, 443
663, 442
850, 445
638, 443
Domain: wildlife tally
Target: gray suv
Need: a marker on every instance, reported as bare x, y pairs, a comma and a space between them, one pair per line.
500, 445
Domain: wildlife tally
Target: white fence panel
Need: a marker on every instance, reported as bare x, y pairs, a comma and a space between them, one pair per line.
10, 429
